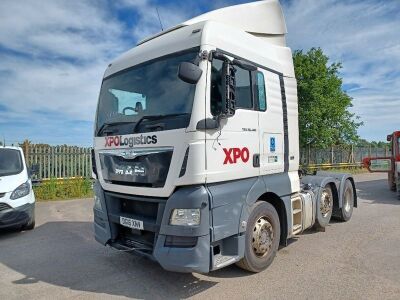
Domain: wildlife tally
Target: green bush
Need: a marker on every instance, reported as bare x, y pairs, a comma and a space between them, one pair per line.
58, 189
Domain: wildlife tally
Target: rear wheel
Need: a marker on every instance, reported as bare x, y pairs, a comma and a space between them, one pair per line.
346, 211
262, 238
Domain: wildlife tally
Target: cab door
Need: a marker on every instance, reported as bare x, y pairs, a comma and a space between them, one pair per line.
232, 149
271, 123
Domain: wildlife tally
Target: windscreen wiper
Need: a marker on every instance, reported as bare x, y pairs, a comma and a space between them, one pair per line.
155, 117
108, 124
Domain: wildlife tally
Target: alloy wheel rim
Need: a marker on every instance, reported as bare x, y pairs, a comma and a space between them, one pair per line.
325, 203
263, 236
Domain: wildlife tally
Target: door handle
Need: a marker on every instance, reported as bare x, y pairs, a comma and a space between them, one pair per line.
256, 160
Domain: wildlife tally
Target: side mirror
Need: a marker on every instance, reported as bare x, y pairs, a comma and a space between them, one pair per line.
378, 164
229, 97
389, 138
189, 72
34, 170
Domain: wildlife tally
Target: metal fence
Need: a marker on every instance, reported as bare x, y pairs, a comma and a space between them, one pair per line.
59, 161
340, 155
70, 161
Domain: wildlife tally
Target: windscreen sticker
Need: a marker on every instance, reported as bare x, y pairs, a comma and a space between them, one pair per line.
272, 144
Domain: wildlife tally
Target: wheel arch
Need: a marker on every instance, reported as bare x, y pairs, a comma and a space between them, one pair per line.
280, 208
339, 180
335, 193
354, 189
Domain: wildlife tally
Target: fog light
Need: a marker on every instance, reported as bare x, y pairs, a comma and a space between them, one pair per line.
185, 217
97, 203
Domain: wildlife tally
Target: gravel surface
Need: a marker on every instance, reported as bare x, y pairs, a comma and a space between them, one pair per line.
61, 260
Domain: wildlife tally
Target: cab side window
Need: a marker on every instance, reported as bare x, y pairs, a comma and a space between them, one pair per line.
261, 95
243, 89
217, 88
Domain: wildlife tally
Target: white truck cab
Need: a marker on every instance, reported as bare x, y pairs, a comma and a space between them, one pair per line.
17, 200
196, 147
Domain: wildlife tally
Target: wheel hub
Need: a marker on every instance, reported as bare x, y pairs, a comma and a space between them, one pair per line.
263, 236
326, 203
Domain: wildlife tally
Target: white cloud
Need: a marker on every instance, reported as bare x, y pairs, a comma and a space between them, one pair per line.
53, 56
364, 36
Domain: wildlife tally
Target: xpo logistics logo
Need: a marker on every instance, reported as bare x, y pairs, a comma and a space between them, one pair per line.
130, 141
232, 155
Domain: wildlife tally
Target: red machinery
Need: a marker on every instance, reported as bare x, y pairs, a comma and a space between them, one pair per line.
391, 164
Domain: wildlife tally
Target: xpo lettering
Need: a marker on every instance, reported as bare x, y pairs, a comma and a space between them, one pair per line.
232, 155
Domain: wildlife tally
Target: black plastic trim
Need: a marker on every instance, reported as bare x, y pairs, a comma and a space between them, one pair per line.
285, 124
207, 123
256, 160
249, 61
184, 163
193, 49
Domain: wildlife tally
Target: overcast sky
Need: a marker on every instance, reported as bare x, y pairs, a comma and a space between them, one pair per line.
53, 55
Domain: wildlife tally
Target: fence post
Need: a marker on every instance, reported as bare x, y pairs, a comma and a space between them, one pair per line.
25, 148
332, 155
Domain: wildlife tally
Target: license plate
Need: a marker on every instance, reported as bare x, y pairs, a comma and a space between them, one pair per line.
131, 223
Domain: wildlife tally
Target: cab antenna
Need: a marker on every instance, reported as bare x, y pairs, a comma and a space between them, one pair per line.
159, 19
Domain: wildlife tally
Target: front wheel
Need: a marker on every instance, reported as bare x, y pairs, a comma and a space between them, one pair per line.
31, 223
262, 238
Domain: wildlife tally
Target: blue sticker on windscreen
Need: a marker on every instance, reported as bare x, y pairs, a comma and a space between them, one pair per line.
272, 144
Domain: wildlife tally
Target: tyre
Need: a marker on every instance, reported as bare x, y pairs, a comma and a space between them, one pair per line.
262, 238
31, 224
346, 211
324, 207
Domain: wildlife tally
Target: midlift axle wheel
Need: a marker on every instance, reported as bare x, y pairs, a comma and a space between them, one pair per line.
324, 208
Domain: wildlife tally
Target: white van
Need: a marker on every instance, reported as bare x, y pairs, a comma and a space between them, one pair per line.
17, 201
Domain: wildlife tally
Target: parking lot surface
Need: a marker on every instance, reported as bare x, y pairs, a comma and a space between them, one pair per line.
353, 260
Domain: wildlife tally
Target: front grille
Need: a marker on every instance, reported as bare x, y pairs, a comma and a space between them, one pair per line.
2, 195
149, 210
138, 239
4, 206
148, 169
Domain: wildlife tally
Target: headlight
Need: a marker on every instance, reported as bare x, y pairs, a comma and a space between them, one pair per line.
97, 203
187, 217
21, 191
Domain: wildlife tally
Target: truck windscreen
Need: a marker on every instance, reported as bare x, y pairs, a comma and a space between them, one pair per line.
10, 162
139, 98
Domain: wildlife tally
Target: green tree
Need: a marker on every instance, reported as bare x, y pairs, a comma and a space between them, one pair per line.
324, 116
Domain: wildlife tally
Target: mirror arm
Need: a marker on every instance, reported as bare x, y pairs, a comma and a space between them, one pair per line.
208, 123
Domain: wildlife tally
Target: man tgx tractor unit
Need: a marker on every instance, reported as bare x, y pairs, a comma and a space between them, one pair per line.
390, 164
196, 148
